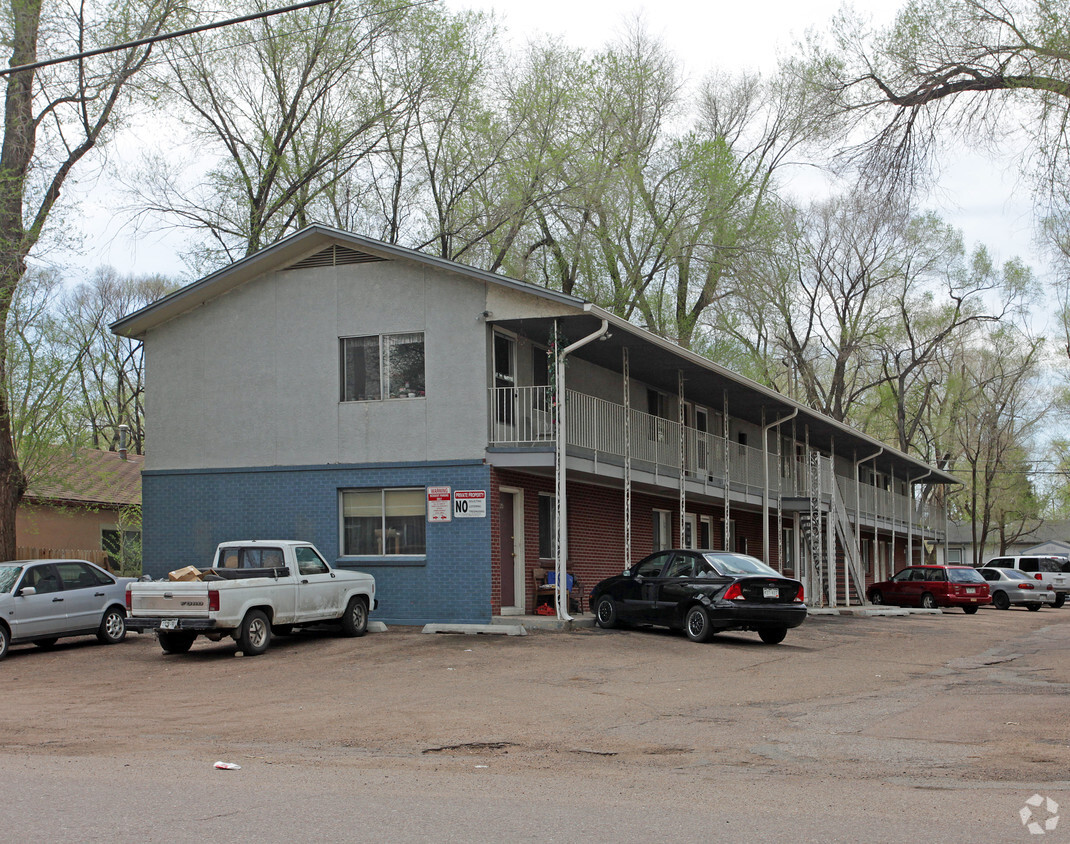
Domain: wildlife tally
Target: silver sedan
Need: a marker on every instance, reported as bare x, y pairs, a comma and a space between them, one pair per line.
44, 600
1010, 586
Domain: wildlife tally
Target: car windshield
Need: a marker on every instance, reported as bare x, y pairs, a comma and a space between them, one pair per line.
964, 576
1014, 574
8, 576
738, 564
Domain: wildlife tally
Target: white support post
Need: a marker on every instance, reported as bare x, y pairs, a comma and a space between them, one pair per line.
680, 418
727, 473
772, 426
560, 469
627, 460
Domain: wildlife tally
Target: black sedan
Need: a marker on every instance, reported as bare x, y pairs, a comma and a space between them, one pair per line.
702, 593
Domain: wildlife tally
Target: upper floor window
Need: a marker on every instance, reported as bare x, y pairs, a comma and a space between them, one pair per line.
382, 366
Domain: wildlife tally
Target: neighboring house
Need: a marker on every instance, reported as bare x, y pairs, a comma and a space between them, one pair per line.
1052, 537
398, 410
73, 507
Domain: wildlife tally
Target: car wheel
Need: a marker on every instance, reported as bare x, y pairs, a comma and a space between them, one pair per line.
355, 618
5, 640
606, 613
112, 627
1000, 601
176, 643
1060, 599
697, 624
969, 610
876, 597
772, 635
45, 644
928, 601
1033, 607
255, 634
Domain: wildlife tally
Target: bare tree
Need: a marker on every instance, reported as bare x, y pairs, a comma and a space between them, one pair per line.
53, 118
110, 372
285, 107
960, 66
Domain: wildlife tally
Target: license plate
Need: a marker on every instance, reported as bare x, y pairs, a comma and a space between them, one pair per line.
970, 590
169, 624
770, 592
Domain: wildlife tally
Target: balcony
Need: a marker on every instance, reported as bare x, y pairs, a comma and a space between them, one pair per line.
522, 418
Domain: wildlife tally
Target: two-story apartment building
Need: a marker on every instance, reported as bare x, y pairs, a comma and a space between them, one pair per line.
452, 431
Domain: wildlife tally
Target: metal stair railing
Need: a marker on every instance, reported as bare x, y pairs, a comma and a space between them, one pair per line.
851, 552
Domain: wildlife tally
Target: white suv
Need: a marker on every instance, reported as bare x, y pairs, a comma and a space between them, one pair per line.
1053, 572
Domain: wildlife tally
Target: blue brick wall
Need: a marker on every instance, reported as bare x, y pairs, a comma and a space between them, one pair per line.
187, 513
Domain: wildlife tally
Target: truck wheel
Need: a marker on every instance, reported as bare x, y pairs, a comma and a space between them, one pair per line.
112, 626
1060, 599
255, 635
176, 643
355, 618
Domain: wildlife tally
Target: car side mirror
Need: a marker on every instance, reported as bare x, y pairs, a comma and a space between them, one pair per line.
26, 591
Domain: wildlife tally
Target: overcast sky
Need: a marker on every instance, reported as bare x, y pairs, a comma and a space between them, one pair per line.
977, 195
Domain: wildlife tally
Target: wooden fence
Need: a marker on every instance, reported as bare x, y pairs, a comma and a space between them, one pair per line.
25, 552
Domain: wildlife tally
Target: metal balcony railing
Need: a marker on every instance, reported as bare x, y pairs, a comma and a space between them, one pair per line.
523, 417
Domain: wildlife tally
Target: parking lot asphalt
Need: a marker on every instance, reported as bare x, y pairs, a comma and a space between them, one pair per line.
919, 727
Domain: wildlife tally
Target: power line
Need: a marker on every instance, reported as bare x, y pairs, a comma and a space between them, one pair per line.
167, 36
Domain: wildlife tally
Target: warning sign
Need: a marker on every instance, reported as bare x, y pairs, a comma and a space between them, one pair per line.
438, 504
470, 503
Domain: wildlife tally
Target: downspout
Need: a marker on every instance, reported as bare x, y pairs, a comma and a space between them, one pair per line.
560, 564
910, 515
765, 486
858, 518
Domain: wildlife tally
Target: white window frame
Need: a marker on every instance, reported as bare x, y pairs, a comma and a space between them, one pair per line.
383, 374
385, 552
662, 519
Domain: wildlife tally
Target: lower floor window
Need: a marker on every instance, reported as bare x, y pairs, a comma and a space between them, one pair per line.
547, 527
380, 522
662, 530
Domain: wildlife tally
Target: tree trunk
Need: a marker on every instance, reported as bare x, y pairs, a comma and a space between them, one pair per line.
19, 140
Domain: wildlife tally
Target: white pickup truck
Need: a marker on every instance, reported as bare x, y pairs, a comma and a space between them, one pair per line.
253, 589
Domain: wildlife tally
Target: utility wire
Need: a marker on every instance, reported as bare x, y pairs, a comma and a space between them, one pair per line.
167, 36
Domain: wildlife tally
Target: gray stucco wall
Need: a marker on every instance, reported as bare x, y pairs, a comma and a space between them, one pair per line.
252, 378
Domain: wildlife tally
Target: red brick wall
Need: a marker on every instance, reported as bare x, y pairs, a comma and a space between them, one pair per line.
596, 529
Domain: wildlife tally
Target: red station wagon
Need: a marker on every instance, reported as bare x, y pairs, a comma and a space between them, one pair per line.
933, 586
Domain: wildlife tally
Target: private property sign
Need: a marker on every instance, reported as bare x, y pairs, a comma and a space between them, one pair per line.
438, 504
470, 503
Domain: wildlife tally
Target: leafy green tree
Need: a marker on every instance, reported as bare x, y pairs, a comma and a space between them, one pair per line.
42, 375
999, 412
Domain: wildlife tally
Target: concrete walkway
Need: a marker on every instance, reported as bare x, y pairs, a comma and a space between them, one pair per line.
581, 620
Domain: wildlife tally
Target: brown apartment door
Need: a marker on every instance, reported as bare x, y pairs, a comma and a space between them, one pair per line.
507, 549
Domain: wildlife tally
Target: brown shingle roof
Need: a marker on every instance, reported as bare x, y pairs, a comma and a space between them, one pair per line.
90, 477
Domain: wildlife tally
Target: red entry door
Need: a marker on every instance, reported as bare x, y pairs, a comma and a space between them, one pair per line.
506, 551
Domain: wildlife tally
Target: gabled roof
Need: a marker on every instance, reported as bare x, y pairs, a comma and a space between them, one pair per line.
305, 246
661, 360
89, 477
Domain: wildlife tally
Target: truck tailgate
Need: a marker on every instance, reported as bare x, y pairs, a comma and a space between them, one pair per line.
173, 600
